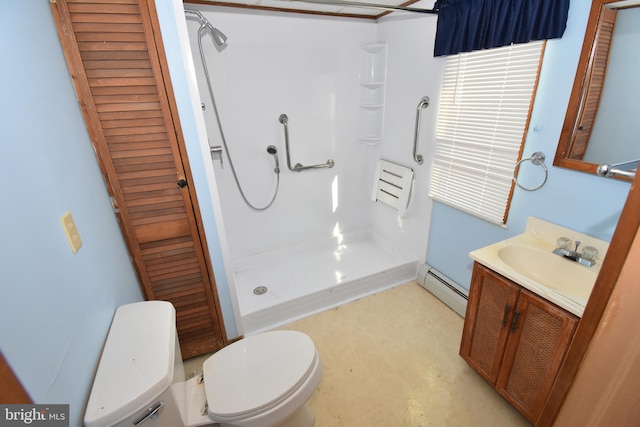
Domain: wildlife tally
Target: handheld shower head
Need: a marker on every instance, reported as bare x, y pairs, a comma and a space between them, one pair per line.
271, 149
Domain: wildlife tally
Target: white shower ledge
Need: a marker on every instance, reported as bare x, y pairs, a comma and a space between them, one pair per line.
528, 260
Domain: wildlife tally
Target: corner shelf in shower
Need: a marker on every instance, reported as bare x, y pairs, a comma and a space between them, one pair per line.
373, 75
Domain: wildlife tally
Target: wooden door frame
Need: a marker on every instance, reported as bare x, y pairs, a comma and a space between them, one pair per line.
12, 390
182, 148
623, 238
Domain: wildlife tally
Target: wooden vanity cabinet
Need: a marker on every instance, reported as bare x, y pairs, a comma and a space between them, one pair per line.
515, 339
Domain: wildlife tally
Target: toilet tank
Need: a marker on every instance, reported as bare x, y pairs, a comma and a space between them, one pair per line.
140, 370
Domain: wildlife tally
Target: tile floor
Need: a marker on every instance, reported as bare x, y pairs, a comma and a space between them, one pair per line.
391, 359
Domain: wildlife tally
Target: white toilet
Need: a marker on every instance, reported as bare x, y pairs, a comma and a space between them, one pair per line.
260, 381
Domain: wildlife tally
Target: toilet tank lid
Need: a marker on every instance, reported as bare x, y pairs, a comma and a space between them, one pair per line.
136, 363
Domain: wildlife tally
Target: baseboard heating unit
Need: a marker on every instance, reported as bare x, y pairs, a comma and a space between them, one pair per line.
445, 289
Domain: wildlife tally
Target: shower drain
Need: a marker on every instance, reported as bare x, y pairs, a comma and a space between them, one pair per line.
260, 290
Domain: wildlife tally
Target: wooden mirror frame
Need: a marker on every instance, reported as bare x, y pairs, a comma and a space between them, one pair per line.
587, 87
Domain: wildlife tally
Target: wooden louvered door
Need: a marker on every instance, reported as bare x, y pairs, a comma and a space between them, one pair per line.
115, 56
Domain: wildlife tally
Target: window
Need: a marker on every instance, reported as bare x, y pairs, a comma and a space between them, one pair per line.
485, 106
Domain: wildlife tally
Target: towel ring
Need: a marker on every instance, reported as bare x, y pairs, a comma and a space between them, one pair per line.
537, 159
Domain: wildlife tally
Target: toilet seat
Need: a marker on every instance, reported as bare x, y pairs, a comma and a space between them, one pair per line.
255, 374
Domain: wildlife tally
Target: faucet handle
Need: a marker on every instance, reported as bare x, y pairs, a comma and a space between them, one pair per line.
564, 242
589, 253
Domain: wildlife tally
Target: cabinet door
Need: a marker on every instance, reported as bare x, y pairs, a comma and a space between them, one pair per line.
486, 328
117, 63
535, 350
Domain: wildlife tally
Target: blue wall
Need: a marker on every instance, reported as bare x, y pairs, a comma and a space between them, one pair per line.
580, 201
56, 307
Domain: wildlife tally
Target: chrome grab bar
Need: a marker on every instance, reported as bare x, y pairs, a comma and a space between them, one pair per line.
424, 103
626, 169
298, 166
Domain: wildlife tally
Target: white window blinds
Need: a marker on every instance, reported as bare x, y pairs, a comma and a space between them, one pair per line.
484, 109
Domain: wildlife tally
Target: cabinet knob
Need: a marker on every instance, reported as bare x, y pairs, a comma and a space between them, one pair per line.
182, 183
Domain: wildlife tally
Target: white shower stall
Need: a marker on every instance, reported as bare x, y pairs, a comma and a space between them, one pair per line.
349, 88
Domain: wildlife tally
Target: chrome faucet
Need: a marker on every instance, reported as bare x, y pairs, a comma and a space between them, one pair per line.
586, 258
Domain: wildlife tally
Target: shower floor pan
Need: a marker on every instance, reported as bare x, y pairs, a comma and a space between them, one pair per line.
295, 282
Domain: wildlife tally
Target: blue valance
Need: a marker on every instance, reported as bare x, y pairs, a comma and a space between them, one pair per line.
466, 25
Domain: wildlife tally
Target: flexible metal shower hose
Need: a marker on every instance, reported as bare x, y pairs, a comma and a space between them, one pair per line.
224, 141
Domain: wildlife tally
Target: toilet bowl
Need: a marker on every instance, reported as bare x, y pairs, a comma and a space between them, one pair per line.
253, 382
260, 381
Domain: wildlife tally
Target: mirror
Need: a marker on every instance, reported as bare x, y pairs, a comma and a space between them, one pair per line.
601, 125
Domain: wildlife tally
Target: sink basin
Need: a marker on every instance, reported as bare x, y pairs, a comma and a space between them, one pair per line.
549, 269
528, 260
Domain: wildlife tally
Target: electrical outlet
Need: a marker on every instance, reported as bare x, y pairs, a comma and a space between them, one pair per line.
71, 232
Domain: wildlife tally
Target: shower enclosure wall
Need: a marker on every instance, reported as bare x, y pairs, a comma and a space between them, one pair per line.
323, 241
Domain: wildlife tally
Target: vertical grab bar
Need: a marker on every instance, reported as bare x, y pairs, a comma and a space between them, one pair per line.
424, 103
298, 166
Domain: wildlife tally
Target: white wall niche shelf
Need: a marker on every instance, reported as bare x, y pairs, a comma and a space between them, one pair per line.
373, 76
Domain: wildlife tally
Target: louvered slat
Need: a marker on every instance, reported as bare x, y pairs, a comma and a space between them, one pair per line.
597, 73
119, 79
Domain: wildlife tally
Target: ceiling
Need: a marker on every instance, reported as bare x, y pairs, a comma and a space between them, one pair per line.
350, 8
